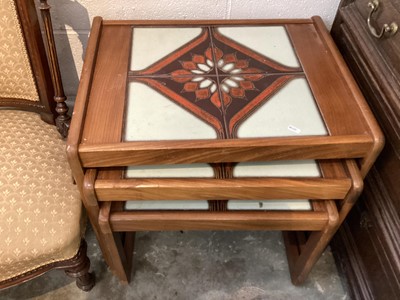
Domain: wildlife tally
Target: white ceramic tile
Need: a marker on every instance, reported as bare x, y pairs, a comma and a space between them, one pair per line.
151, 116
270, 41
290, 168
151, 44
292, 111
170, 171
232, 205
294, 168
269, 205
306, 168
167, 205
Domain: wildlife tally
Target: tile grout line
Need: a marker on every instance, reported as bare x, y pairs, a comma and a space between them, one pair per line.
132, 76
213, 47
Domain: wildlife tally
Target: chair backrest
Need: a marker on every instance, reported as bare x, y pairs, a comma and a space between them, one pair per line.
25, 73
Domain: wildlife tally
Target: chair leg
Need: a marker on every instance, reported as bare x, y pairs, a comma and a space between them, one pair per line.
84, 280
304, 253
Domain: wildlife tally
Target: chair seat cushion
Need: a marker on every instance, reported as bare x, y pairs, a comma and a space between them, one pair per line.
40, 207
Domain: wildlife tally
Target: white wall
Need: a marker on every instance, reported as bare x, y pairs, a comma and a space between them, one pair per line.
72, 19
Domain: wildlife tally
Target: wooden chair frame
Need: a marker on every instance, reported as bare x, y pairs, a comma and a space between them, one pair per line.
52, 108
76, 267
51, 105
39, 64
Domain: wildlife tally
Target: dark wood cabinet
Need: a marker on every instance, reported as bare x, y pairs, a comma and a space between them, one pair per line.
367, 247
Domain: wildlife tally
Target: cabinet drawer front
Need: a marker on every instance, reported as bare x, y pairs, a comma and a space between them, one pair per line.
386, 13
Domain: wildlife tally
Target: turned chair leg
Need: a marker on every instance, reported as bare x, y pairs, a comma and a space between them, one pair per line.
84, 280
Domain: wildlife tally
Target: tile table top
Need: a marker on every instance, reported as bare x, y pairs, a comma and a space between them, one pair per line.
173, 92
221, 82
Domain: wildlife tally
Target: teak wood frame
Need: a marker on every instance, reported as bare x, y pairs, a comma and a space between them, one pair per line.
105, 149
303, 250
334, 184
95, 142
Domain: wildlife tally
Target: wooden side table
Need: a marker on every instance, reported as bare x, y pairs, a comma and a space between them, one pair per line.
186, 125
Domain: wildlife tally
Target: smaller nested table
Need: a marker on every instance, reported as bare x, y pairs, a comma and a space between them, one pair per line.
218, 125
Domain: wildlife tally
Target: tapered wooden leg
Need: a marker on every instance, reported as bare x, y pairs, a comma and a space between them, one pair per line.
120, 261
108, 244
129, 245
303, 253
347, 204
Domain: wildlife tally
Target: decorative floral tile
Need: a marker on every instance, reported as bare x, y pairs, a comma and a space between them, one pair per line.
155, 112
271, 43
290, 110
192, 58
219, 75
151, 44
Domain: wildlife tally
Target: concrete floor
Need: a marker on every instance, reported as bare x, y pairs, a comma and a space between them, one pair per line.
195, 265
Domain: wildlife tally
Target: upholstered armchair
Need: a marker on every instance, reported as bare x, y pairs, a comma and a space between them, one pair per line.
41, 216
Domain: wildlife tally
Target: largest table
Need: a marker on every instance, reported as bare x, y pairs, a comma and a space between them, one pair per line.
278, 56
184, 92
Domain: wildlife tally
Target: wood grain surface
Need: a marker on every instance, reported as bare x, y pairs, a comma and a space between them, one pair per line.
373, 127
221, 189
216, 151
81, 103
161, 221
336, 102
106, 101
101, 144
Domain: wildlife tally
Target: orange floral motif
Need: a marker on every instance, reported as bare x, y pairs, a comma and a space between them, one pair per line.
217, 79
235, 77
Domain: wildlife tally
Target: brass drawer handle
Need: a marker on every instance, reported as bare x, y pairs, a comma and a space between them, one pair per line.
389, 30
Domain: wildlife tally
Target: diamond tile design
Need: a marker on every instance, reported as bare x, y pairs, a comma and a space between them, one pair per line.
215, 78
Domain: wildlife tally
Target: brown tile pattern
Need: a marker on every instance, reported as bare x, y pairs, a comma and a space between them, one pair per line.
217, 79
